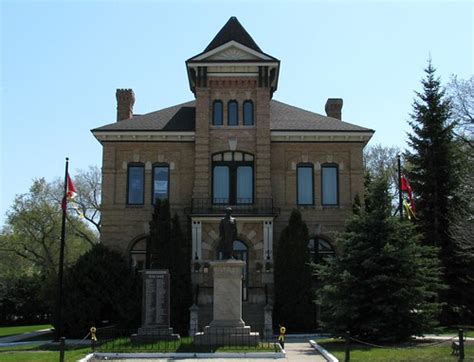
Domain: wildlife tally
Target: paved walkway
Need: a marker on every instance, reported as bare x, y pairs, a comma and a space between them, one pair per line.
299, 351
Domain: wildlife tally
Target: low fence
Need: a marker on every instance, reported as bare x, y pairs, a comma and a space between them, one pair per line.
126, 341
457, 345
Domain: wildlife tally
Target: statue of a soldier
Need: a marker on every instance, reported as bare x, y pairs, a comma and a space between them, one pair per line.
227, 234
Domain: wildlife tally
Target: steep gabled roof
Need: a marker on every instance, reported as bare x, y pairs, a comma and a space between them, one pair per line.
232, 30
182, 118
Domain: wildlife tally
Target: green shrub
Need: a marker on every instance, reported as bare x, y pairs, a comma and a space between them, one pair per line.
100, 287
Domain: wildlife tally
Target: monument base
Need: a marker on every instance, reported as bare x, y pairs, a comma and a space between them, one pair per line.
150, 334
227, 327
237, 336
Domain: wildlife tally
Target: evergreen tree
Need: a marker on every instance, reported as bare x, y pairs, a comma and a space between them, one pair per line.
293, 282
181, 293
170, 249
382, 284
436, 171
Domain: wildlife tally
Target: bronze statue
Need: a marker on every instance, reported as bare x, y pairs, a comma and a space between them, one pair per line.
227, 234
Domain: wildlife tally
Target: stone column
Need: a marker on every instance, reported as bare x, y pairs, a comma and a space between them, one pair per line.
268, 322
193, 319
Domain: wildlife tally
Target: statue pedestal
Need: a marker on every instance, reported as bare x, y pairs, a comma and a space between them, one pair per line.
227, 326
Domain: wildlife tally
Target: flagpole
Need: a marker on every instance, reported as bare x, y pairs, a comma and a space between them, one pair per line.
59, 331
400, 201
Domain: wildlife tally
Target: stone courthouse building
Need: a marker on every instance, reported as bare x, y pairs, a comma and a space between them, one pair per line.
232, 145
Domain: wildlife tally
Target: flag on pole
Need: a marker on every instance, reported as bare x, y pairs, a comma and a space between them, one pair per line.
71, 192
405, 186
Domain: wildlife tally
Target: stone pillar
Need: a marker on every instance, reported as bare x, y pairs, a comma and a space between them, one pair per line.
268, 240
268, 322
197, 239
193, 319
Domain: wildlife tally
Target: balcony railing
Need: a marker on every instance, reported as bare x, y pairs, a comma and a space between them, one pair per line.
242, 207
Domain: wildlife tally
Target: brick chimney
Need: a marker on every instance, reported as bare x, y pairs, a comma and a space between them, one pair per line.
125, 102
334, 108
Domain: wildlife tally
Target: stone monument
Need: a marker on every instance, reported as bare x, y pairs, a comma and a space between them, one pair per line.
155, 308
227, 326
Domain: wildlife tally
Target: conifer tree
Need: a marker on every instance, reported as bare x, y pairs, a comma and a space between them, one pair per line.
382, 283
170, 249
436, 172
293, 282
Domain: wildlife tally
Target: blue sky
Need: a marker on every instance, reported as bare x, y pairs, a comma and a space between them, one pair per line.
61, 62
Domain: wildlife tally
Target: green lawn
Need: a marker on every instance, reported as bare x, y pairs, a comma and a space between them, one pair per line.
185, 344
10, 331
43, 356
441, 352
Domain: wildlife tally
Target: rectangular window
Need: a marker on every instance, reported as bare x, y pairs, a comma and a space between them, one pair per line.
329, 182
221, 185
136, 185
160, 183
305, 185
244, 185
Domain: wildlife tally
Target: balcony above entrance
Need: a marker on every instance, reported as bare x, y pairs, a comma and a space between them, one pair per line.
206, 207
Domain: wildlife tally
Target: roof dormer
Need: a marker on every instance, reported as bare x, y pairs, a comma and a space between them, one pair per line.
233, 53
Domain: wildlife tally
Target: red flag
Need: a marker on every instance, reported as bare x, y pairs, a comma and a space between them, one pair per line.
71, 192
71, 188
405, 186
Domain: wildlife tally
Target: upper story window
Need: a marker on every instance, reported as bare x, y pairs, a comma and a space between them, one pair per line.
217, 113
329, 184
161, 176
232, 113
135, 184
232, 178
305, 184
248, 113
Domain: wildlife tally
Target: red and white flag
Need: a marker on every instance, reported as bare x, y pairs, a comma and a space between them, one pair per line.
71, 192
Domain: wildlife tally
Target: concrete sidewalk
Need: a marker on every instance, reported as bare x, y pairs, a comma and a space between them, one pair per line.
23, 336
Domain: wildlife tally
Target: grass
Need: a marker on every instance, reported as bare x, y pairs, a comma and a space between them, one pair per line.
185, 344
415, 352
10, 331
40, 355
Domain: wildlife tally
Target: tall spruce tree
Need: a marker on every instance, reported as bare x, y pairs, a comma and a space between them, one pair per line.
382, 283
293, 282
436, 172
170, 249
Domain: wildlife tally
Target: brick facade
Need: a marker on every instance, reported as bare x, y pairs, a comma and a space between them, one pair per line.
188, 146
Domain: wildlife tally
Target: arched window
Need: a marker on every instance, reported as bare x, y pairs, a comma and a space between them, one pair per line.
248, 113
329, 185
161, 178
217, 113
232, 178
304, 184
138, 254
232, 113
135, 184
320, 249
